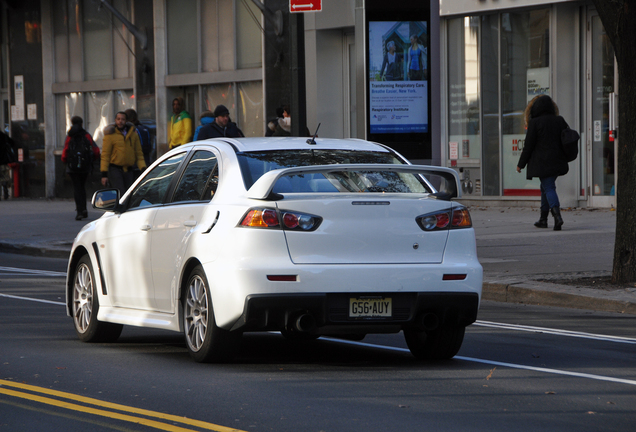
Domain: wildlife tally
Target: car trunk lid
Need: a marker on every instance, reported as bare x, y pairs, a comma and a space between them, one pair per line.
366, 229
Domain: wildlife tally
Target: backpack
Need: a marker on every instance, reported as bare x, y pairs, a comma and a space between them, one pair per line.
80, 154
145, 138
570, 143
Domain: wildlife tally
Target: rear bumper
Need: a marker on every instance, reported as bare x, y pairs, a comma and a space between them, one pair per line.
330, 312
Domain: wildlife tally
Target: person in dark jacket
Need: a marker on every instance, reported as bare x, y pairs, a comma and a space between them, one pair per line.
544, 156
79, 174
221, 127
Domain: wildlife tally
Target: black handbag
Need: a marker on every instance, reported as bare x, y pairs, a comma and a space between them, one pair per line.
570, 143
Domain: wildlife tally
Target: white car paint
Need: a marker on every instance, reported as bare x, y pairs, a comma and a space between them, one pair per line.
367, 243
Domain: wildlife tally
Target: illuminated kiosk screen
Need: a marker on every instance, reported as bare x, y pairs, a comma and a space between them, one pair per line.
398, 77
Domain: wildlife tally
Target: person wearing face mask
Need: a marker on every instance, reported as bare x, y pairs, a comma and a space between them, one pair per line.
283, 126
222, 126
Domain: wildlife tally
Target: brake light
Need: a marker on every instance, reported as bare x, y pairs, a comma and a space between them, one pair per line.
287, 220
458, 217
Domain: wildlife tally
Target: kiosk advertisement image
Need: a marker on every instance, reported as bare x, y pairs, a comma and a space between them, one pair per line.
398, 77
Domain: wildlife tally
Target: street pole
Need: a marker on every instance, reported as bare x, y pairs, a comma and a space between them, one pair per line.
298, 90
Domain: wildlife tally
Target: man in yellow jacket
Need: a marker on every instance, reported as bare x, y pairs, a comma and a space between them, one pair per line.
180, 127
121, 151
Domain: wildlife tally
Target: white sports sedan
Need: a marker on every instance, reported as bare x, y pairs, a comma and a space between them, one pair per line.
310, 238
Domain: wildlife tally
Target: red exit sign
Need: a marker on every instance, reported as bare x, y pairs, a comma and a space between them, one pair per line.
305, 5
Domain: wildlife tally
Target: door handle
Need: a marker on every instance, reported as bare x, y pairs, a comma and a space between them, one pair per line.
190, 223
146, 227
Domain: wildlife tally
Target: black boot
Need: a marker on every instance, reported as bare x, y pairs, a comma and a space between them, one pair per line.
543, 219
558, 220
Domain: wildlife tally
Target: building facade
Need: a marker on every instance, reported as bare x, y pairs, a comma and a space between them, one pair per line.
497, 57
486, 60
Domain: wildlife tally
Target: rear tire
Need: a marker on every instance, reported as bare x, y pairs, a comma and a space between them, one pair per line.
86, 306
442, 343
206, 342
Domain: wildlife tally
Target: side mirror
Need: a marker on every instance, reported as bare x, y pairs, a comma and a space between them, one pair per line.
106, 199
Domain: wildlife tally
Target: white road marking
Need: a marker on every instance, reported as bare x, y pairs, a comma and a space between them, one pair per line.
557, 332
504, 364
490, 324
32, 299
21, 271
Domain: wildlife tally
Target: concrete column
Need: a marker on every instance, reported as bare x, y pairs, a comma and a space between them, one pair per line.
48, 78
361, 75
161, 71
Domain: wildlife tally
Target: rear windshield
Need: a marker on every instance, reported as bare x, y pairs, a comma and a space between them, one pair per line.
255, 164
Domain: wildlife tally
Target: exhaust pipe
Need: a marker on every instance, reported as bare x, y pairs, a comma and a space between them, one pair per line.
304, 323
427, 321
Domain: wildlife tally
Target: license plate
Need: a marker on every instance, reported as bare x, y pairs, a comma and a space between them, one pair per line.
370, 307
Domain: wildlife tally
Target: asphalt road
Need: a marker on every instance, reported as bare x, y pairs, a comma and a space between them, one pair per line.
521, 368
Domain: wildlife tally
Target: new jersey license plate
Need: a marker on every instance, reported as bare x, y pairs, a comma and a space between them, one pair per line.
370, 307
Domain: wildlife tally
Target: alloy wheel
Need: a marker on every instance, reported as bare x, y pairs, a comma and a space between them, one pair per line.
196, 314
82, 297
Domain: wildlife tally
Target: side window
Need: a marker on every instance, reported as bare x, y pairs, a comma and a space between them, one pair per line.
152, 188
199, 179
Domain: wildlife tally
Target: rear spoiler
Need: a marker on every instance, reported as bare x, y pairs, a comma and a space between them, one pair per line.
448, 186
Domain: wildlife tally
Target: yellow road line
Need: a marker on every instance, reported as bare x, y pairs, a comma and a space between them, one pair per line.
109, 405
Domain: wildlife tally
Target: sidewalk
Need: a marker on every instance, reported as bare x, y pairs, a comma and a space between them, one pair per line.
522, 264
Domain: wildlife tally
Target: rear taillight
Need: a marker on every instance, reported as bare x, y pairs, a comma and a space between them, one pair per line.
261, 218
450, 219
280, 219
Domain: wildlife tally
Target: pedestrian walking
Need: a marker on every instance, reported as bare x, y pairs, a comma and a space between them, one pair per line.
121, 152
544, 156
80, 151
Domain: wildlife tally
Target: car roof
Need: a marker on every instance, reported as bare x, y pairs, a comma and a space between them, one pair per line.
299, 143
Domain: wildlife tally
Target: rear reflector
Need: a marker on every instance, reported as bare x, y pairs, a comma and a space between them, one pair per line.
283, 278
454, 277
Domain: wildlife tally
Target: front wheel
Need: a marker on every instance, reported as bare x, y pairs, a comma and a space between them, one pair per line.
442, 343
206, 342
86, 305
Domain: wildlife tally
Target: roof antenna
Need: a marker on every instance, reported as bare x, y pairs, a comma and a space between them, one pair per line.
312, 140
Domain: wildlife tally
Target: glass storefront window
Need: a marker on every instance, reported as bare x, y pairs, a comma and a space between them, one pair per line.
248, 36
525, 73
496, 64
182, 19
464, 102
491, 163
97, 109
602, 85
97, 44
250, 108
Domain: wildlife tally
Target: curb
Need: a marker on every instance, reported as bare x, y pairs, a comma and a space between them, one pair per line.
544, 294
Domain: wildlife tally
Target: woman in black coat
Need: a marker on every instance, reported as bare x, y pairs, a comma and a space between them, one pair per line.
544, 156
